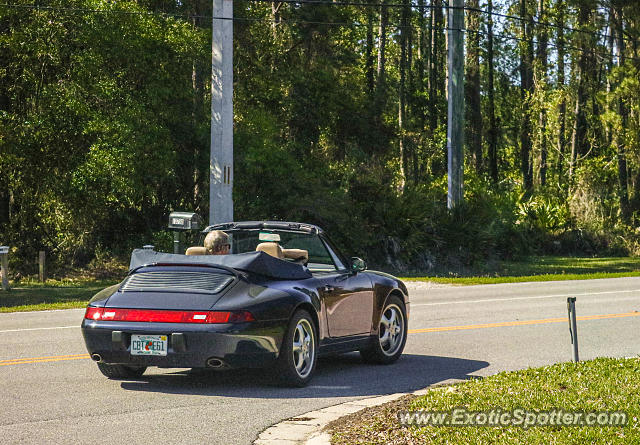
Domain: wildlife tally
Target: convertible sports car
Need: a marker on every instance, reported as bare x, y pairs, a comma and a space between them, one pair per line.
282, 297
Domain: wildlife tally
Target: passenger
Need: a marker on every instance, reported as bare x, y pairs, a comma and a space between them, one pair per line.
217, 243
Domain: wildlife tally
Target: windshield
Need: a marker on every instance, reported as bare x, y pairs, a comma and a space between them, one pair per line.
320, 257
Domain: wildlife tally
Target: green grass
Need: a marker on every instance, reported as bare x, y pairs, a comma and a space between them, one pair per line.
545, 268
599, 385
54, 294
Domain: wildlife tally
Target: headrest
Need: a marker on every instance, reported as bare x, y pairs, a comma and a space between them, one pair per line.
272, 249
298, 255
196, 250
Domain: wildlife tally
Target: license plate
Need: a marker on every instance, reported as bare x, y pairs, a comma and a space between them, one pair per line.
148, 344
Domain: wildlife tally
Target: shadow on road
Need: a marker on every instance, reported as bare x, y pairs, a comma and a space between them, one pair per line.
339, 376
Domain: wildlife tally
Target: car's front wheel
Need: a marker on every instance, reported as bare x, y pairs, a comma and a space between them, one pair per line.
298, 354
121, 371
392, 334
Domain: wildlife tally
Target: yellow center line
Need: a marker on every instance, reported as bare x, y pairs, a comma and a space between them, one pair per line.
40, 358
54, 358
522, 323
8, 363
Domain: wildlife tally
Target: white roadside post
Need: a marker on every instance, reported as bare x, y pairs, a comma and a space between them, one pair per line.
4, 267
221, 164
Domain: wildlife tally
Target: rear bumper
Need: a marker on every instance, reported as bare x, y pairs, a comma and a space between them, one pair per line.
247, 345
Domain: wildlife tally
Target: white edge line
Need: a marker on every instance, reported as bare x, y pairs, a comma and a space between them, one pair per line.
524, 298
43, 311
40, 329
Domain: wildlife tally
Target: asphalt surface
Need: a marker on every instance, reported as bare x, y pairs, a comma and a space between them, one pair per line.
51, 393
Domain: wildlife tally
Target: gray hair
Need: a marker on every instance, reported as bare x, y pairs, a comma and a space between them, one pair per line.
214, 241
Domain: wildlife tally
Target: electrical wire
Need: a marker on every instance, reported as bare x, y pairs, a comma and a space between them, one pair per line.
446, 7
294, 21
334, 3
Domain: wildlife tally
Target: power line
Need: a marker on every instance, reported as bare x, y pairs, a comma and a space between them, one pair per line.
415, 6
291, 21
325, 3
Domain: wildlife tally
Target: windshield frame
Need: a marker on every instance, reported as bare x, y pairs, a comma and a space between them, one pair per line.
324, 239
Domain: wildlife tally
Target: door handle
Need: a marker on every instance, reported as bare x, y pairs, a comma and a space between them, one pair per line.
328, 288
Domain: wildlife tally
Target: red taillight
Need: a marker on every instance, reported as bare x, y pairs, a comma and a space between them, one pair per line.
162, 316
93, 313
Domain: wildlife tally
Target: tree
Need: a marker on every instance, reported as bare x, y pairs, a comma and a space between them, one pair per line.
472, 85
493, 130
526, 87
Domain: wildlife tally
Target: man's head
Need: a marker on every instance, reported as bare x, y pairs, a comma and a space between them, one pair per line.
217, 243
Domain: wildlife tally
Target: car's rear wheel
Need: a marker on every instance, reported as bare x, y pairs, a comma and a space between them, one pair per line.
392, 334
298, 354
121, 371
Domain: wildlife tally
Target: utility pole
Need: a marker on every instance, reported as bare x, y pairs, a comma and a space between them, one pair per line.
455, 96
221, 164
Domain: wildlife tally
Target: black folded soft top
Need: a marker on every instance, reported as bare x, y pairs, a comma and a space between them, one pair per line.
255, 262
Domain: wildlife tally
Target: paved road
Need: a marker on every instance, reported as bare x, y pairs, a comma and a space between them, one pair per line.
456, 332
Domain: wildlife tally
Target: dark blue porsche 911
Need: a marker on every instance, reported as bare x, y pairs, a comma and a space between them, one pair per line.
283, 296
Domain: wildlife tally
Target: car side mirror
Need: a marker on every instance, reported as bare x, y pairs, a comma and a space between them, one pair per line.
358, 265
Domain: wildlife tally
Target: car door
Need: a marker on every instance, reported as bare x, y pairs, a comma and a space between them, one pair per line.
348, 298
348, 302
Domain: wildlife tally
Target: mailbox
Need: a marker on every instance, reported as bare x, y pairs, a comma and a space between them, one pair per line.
182, 222
185, 221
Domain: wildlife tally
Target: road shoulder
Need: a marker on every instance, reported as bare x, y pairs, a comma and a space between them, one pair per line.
310, 428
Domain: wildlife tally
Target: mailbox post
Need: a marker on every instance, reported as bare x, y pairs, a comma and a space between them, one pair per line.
4, 267
181, 222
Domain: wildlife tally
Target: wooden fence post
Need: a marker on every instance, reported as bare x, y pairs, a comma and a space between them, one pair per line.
42, 272
4, 267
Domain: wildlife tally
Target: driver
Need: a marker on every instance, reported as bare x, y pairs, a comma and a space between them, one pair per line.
217, 243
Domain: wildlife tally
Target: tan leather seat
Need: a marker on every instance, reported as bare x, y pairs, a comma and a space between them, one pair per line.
272, 249
196, 250
297, 255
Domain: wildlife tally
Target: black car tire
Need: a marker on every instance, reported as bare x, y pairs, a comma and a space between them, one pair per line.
121, 371
297, 360
376, 352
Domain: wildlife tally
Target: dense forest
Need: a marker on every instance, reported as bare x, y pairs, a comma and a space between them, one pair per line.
340, 120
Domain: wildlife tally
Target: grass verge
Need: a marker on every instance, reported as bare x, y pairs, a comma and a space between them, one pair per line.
545, 268
54, 294
599, 385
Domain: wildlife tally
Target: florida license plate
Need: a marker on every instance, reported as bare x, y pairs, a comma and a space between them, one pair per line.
148, 344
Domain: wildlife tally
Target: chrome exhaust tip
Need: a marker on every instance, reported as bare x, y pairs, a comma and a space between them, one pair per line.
96, 357
215, 363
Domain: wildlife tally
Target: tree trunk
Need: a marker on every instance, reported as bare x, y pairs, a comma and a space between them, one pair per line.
419, 111
435, 70
369, 53
623, 188
562, 106
526, 57
382, 44
472, 85
4, 203
420, 61
275, 18
492, 133
542, 86
579, 142
402, 99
